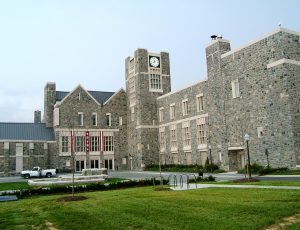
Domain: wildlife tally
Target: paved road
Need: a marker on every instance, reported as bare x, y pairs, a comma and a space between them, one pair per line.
165, 175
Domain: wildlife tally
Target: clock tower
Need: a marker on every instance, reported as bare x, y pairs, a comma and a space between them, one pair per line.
147, 78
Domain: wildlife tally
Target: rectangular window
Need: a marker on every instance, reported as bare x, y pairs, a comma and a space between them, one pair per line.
235, 88
108, 143
94, 142
201, 131
94, 119
80, 119
155, 82
162, 139
120, 121
64, 144
132, 113
80, 143
108, 119
94, 164
173, 135
185, 107
31, 146
199, 100
172, 111
6, 145
161, 114
186, 133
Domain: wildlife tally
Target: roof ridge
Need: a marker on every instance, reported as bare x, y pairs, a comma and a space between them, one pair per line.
101, 91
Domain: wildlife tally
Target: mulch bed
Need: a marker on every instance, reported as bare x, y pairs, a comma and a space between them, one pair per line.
71, 198
244, 180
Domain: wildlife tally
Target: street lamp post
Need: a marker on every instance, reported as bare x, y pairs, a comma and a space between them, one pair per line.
247, 138
267, 154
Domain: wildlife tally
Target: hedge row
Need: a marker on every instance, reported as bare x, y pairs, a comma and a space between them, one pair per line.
85, 187
185, 168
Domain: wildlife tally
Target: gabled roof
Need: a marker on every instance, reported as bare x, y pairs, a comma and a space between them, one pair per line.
99, 96
26, 132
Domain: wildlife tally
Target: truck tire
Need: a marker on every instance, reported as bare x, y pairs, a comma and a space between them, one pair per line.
48, 175
26, 176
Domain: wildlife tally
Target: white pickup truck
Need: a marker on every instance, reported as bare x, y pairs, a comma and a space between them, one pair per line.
38, 172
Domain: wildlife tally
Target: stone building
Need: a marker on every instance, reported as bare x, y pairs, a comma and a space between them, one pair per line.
253, 89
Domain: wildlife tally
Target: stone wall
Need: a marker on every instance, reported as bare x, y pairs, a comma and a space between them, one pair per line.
38, 156
190, 93
68, 115
142, 133
267, 107
267, 99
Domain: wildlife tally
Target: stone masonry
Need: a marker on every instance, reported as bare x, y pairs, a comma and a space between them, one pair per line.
253, 89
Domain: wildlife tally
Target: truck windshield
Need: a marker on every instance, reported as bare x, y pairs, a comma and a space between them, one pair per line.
35, 169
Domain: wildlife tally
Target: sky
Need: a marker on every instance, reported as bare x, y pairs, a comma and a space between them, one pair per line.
72, 42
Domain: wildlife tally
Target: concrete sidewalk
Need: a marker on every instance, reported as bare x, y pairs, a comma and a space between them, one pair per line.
202, 186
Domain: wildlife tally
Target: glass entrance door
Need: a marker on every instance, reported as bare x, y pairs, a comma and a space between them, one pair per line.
79, 166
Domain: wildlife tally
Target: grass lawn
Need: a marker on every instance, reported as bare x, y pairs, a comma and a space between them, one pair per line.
144, 208
267, 183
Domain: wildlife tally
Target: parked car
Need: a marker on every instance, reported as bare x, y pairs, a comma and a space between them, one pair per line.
38, 172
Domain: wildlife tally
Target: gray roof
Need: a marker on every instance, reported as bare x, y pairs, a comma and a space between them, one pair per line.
26, 131
100, 96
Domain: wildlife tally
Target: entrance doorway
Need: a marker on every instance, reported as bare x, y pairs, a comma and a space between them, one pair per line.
108, 164
79, 166
236, 160
19, 157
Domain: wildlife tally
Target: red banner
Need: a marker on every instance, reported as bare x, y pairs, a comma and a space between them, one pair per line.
87, 141
72, 141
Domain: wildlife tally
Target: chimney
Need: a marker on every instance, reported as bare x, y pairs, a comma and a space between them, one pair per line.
37, 116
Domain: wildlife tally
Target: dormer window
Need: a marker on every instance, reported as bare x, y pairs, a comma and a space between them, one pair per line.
108, 119
80, 119
94, 119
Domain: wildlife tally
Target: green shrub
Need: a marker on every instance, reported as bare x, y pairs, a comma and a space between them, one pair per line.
211, 167
202, 179
183, 168
113, 184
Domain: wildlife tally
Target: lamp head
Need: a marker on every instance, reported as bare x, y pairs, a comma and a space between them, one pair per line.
247, 137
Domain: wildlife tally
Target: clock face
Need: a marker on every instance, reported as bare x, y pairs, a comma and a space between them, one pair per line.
154, 62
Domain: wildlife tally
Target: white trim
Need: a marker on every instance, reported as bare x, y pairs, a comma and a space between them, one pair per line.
161, 111
283, 61
236, 148
147, 127
85, 129
183, 120
121, 89
79, 86
259, 39
181, 89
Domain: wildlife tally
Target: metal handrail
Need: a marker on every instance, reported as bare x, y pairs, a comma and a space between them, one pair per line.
195, 180
175, 179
